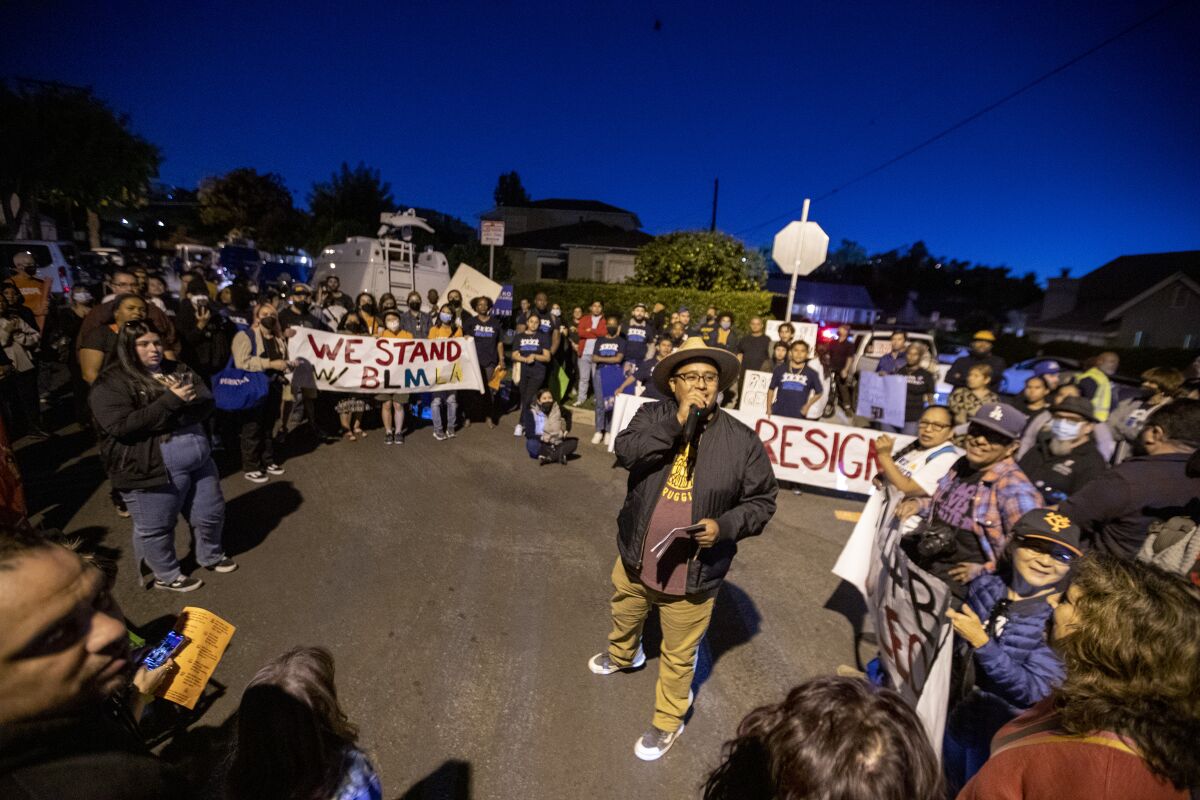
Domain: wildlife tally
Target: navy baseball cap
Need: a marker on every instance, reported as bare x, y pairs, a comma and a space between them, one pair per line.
1047, 368
1048, 525
1001, 418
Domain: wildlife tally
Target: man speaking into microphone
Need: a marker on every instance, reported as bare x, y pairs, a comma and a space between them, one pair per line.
699, 481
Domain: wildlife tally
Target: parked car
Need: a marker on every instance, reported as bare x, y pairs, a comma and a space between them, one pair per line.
56, 261
1013, 380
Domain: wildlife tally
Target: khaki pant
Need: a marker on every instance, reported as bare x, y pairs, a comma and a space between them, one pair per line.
684, 622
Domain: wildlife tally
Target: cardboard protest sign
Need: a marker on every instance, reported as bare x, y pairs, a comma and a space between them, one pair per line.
881, 398
472, 283
754, 391
344, 363
207, 636
837, 457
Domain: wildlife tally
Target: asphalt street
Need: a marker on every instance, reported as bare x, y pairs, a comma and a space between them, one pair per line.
462, 588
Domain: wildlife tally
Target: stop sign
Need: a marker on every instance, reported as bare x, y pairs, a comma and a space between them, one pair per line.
787, 251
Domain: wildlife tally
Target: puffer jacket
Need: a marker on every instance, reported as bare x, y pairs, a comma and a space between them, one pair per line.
133, 424
1017, 665
734, 485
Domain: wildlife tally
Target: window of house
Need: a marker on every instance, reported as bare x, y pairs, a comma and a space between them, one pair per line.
552, 269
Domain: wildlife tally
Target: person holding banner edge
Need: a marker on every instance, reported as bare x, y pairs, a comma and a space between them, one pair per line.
699, 482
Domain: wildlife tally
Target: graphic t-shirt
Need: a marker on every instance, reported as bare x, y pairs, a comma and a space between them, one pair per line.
918, 383
531, 344
792, 388
638, 336
667, 571
487, 335
645, 376
610, 346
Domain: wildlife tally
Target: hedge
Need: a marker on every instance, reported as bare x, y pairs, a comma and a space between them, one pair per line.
621, 297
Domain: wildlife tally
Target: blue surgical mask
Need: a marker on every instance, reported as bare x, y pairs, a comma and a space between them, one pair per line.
445, 316
1065, 430
726, 324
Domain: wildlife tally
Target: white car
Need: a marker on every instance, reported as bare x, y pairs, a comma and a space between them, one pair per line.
55, 260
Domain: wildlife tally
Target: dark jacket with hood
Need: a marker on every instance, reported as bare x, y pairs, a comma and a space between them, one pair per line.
134, 422
734, 485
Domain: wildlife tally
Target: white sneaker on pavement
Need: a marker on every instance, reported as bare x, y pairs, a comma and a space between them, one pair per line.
519, 430
597, 438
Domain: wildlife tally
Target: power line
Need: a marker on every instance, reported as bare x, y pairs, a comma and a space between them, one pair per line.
977, 114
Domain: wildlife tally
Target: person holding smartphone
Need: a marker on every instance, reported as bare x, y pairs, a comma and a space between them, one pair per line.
150, 411
262, 348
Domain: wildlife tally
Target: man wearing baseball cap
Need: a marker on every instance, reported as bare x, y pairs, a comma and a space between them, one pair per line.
1064, 458
699, 482
1050, 372
969, 520
981, 353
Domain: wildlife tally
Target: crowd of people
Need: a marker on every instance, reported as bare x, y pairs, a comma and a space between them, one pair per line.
1063, 523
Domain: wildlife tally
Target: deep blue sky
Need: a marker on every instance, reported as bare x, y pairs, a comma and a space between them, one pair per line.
780, 100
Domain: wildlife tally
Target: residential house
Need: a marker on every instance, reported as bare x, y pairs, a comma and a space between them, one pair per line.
1150, 300
830, 303
560, 212
583, 251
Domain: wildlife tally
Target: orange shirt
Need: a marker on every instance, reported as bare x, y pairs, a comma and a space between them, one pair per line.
444, 332
36, 292
384, 333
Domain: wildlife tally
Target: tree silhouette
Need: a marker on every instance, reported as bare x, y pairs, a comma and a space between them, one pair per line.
509, 191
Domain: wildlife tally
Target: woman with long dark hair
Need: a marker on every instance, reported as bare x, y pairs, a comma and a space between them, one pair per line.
1127, 718
150, 412
294, 742
830, 737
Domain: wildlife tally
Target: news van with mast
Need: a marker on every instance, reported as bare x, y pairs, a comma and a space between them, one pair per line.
387, 263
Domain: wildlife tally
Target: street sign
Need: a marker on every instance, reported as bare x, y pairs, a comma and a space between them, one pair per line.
491, 232
800, 248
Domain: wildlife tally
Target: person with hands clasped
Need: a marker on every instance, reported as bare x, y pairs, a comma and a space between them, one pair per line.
1002, 628
969, 520
149, 412
531, 350
699, 482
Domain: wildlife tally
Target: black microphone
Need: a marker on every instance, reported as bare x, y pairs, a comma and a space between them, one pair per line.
694, 414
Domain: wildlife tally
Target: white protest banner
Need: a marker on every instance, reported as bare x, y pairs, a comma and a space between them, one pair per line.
837, 457
754, 391
341, 363
472, 283
806, 331
881, 398
909, 606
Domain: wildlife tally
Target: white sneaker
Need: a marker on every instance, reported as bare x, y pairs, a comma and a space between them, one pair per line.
602, 663
653, 744
607, 439
597, 438
519, 430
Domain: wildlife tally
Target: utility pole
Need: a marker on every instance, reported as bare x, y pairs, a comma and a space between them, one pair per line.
713, 225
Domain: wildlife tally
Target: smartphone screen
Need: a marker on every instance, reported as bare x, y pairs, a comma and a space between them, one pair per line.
165, 649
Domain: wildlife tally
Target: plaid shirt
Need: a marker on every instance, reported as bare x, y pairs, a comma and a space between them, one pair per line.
1005, 494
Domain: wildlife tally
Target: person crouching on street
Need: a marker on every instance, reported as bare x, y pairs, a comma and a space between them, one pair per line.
547, 440
699, 482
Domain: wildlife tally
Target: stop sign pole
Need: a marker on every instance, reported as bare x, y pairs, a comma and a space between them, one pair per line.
799, 254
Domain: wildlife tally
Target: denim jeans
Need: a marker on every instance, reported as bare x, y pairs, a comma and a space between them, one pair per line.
435, 407
194, 489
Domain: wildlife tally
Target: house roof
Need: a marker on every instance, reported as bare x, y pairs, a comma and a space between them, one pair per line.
582, 234
568, 204
1167, 281
839, 295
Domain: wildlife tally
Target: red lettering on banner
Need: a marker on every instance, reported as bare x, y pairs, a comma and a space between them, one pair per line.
322, 350
436, 350
811, 437
894, 646
402, 346
385, 353
419, 353
370, 378
453, 351
784, 444
768, 441
872, 458
349, 351
858, 465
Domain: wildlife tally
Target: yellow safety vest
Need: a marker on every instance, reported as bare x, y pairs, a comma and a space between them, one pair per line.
1102, 401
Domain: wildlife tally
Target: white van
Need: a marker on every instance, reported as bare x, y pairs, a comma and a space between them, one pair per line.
385, 264
55, 260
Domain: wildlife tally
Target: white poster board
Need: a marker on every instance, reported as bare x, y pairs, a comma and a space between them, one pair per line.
754, 391
881, 398
472, 283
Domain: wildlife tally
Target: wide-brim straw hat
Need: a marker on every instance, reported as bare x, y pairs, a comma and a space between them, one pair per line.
694, 349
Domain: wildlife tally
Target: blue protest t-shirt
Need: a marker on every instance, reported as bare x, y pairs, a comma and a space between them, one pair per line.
645, 376
529, 344
638, 336
610, 346
487, 335
792, 388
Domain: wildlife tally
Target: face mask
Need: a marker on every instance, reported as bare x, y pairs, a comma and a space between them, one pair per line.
612, 330
415, 305
1064, 429
270, 323
445, 317
557, 312
456, 303
546, 407
368, 308
726, 325
393, 325
302, 306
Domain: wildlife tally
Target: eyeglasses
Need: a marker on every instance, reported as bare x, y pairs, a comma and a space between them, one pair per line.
937, 426
692, 378
993, 437
1060, 554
